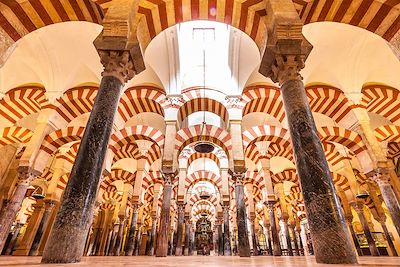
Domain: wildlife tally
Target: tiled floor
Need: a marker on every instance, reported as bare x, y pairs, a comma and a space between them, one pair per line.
197, 261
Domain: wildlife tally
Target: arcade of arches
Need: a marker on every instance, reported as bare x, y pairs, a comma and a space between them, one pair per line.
222, 128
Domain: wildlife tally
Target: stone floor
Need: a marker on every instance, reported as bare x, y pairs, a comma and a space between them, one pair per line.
198, 261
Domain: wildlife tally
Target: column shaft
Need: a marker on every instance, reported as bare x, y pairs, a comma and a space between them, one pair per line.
120, 236
354, 236
316, 182
371, 242
42, 227
179, 234
390, 200
13, 240
10, 210
130, 242
162, 237
388, 238
254, 237
274, 231
187, 239
287, 236
227, 236
153, 236
243, 236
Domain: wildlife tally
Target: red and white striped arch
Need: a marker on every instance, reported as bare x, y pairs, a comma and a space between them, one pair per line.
264, 133
140, 99
21, 102
352, 140
295, 195
75, 102
196, 198
332, 155
111, 194
107, 206
244, 15
340, 180
137, 132
382, 100
254, 178
329, 101
15, 135
202, 104
389, 133
203, 175
151, 178
393, 151
286, 175
263, 98
62, 182
60, 137
209, 133
118, 175
70, 155
197, 155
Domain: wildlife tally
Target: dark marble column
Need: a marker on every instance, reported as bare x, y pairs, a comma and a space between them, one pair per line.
112, 240
48, 207
227, 236
354, 235
269, 243
138, 242
191, 240
162, 237
120, 236
130, 242
301, 247
254, 236
389, 240
327, 224
152, 235
358, 207
11, 208
220, 239
243, 236
381, 177
179, 234
296, 246
187, 237
14, 237
276, 251
287, 236
77, 204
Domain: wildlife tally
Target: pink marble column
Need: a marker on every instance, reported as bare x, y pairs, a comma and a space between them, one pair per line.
358, 207
227, 236
130, 242
179, 234
10, 210
276, 251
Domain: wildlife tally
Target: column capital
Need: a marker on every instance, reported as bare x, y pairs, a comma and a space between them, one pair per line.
49, 204
118, 64
237, 176
181, 207
380, 176
135, 206
169, 176
26, 175
270, 205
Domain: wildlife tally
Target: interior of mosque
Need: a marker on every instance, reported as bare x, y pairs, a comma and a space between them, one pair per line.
202, 108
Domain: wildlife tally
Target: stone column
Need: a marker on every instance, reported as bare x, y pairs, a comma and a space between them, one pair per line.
179, 234
389, 240
349, 219
359, 208
276, 251
220, 239
162, 237
227, 236
187, 237
130, 242
254, 235
138, 242
287, 236
76, 210
191, 240
296, 246
14, 237
301, 247
269, 243
282, 61
381, 177
48, 207
120, 235
152, 235
11, 208
243, 236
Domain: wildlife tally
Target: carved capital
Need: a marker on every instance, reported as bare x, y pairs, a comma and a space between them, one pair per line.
135, 207
181, 207
380, 176
49, 204
118, 64
169, 177
270, 205
26, 176
287, 67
